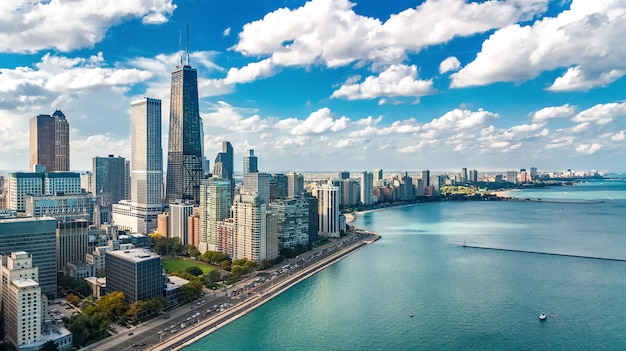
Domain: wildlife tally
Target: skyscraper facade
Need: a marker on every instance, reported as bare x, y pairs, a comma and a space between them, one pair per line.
140, 214
250, 238
250, 162
224, 166
179, 221
185, 154
136, 272
328, 210
146, 152
257, 183
295, 184
38, 237
109, 178
50, 142
367, 188
215, 203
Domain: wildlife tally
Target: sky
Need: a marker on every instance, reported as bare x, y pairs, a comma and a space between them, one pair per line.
328, 85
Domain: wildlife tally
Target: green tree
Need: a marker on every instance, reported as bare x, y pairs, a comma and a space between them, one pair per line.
225, 265
192, 251
210, 279
194, 270
191, 290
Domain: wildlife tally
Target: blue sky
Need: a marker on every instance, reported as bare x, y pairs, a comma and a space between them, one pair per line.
330, 84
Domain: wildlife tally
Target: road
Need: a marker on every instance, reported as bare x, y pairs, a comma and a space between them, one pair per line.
218, 308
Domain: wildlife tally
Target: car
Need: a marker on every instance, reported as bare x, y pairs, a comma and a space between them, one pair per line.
130, 334
166, 316
142, 344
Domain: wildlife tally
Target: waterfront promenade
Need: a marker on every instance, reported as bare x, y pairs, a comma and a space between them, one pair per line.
189, 323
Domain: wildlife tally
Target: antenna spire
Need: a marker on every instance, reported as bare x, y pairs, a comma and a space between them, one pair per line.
187, 48
180, 46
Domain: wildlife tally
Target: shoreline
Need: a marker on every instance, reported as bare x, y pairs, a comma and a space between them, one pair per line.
208, 326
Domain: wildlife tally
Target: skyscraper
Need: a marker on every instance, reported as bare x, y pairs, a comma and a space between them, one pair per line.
250, 162
367, 188
224, 166
215, 203
328, 207
185, 154
50, 142
146, 152
295, 184
141, 212
109, 178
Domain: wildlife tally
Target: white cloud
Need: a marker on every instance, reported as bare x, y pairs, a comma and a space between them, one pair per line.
330, 33
320, 121
547, 113
619, 136
396, 80
251, 72
587, 40
226, 32
64, 25
59, 78
601, 113
588, 149
451, 63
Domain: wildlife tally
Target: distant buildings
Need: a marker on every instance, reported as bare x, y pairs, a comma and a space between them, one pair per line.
179, 221
250, 163
224, 166
22, 184
295, 184
50, 142
185, 154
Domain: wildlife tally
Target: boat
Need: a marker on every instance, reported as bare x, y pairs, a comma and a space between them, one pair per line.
542, 316
411, 314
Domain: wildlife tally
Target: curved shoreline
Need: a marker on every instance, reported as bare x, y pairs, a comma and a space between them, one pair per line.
208, 326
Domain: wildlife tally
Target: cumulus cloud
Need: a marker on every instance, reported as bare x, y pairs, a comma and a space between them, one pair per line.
585, 40
330, 33
588, 149
321, 121
601, 113
449, 64
226, 32
64, 25
396, 80
58, 77
551, 112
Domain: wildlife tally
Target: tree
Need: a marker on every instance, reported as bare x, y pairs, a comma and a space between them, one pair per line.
191, 290
265, 264
192, 251
210, 279
225, 265
73, 299
194, 270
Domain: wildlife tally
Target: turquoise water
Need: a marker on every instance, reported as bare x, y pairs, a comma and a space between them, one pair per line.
462, 298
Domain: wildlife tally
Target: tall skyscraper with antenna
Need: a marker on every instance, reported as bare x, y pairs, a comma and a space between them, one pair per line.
185, 154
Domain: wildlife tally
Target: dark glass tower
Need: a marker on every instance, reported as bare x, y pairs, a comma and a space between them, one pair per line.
224, 167
184, 157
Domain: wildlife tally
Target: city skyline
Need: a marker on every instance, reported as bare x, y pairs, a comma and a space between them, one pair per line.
329, 85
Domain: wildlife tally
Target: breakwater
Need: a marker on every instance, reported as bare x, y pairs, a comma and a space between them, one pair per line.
543, 253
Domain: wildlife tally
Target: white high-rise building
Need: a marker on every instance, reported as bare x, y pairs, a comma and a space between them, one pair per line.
367, 188
21, 300
214, 207
250, 238
328, 210
179, 221
140, 213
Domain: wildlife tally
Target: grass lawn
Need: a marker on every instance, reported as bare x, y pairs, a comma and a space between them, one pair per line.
179, 265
